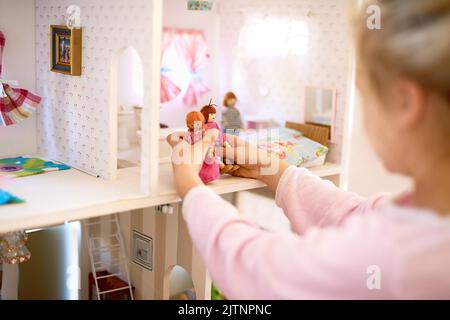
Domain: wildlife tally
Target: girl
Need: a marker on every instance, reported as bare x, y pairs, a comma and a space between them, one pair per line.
345, 246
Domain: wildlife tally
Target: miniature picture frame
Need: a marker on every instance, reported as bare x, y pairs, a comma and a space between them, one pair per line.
143, 250
320, 108
65, 51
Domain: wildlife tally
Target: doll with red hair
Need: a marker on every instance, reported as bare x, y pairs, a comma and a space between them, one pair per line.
195, 121
209, 113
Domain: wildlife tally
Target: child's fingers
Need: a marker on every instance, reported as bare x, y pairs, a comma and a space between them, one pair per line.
246, 173
228, 153
234, 140
229, 169
174, 138
225, 169
239, 155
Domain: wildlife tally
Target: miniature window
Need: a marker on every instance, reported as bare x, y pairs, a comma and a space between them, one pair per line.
183, 61
264, 36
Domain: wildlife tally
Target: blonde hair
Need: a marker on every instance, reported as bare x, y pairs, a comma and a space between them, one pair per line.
413, 42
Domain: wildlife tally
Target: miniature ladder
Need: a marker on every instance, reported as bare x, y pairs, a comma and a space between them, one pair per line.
114, 244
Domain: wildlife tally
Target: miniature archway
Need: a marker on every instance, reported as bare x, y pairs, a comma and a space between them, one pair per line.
127, 99
178, 284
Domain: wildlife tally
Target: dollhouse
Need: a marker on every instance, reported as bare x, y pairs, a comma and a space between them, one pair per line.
115, 147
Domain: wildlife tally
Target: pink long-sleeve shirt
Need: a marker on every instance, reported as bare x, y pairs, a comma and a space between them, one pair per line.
343, 246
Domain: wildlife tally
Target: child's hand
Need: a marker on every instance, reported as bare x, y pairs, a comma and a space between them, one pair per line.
191, 155
246, 158
254, 162
187, 159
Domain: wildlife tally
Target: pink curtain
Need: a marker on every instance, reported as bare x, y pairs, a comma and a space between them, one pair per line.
192, 49
169, 90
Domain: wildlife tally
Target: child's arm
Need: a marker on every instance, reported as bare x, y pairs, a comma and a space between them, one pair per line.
305, 199
248, 263
308, 200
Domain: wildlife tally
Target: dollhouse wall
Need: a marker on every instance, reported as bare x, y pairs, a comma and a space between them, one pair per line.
172, 246
324, 61
19, 64
144, 221
77, 122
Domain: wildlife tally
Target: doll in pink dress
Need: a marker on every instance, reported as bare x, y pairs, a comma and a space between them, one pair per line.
209, 113
210, 170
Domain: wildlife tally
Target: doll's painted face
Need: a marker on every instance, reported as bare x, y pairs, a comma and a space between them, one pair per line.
212, 117
231, 102
194, 119
198, 125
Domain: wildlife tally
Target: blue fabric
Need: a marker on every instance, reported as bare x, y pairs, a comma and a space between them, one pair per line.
233, 132
7, 198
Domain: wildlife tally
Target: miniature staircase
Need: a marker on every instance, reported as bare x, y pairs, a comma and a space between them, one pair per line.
107, 255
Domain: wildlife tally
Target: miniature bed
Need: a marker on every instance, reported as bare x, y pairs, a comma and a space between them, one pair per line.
299, 145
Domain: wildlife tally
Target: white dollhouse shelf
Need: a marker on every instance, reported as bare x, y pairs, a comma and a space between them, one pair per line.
71, 195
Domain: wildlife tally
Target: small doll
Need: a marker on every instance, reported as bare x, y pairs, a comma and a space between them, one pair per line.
196, 127
231, 117
210, 170
209, 112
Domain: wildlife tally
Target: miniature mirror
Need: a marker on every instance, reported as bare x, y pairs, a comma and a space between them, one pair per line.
320, 107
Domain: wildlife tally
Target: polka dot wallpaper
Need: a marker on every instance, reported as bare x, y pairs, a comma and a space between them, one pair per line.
74, 118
